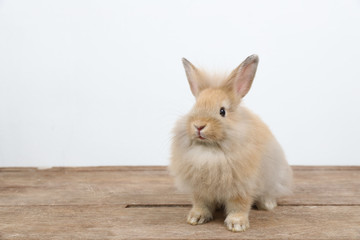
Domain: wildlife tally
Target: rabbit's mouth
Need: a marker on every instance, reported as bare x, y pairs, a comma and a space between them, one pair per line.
201, 137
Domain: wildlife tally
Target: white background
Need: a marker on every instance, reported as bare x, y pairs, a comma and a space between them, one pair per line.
88, 83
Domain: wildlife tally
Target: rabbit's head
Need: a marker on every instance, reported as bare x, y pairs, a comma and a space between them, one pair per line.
214, 114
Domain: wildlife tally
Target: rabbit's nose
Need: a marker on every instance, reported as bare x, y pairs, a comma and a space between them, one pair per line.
199, 128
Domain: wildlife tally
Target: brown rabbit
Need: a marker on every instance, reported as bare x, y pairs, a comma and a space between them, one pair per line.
223, 153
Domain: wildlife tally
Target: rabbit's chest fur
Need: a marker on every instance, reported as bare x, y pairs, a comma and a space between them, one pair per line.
212, 173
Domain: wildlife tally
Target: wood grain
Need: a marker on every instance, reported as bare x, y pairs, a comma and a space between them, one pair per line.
110, 222
60, 186
142, 203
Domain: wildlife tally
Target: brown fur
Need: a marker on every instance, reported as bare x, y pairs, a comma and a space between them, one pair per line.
237, 161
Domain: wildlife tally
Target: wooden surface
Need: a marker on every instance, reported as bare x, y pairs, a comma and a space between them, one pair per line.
142, 203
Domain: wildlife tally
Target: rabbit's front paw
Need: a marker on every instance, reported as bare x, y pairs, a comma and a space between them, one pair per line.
237, 222
199, 216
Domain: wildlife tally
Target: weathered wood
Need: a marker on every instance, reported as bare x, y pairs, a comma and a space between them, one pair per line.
142, 203
156, 168
84, 169
133, 185
112, 222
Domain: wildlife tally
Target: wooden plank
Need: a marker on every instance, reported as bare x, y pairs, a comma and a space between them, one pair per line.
142, 203
133, 185
325, 187
72, 187
111, 222
157, 168
85, 169
326, 168
127, 181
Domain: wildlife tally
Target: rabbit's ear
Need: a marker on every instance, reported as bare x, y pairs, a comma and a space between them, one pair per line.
241, 78
193, 76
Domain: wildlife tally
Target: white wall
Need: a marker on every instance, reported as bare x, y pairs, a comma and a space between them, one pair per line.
101, 82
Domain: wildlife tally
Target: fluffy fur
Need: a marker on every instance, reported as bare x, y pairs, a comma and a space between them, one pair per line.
232, 160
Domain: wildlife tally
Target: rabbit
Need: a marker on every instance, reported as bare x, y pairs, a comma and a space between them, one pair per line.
223, 154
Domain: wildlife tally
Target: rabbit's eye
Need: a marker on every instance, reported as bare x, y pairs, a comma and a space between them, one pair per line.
222, 111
